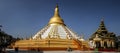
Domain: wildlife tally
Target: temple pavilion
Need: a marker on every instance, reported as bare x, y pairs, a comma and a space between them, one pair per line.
102, 38
54, 36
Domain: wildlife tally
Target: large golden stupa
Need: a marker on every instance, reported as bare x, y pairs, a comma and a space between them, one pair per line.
55, 36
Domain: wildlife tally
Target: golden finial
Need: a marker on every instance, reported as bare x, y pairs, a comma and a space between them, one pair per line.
56, 13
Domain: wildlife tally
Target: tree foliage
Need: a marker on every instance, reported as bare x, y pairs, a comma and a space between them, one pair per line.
5, 39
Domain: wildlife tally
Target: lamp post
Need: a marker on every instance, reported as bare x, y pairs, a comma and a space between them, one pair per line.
0, 27
1, 42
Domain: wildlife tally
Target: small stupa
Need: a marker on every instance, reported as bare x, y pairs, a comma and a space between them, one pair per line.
102, 38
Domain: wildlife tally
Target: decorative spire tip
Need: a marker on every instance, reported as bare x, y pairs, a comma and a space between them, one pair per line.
57, 5
102, 18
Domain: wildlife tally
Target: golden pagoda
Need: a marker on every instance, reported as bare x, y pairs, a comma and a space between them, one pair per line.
55, 36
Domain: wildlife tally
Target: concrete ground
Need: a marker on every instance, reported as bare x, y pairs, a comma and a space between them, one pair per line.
12, 51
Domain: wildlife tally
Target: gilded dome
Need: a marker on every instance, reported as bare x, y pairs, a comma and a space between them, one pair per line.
56, 19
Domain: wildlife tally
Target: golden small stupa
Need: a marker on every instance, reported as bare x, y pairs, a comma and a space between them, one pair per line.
55, 36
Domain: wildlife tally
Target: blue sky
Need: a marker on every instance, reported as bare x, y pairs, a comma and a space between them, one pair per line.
23, 18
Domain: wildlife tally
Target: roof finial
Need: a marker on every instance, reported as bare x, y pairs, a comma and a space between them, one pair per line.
102, 21
102, 18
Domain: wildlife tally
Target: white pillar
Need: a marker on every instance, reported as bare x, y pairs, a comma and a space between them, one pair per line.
108, 43
113, 44
94, 44
91, 44
102, 45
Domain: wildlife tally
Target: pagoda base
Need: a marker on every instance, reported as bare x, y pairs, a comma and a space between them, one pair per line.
48, 45
46, 49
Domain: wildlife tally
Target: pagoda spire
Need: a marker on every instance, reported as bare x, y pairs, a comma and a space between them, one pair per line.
56, 19
102, 27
